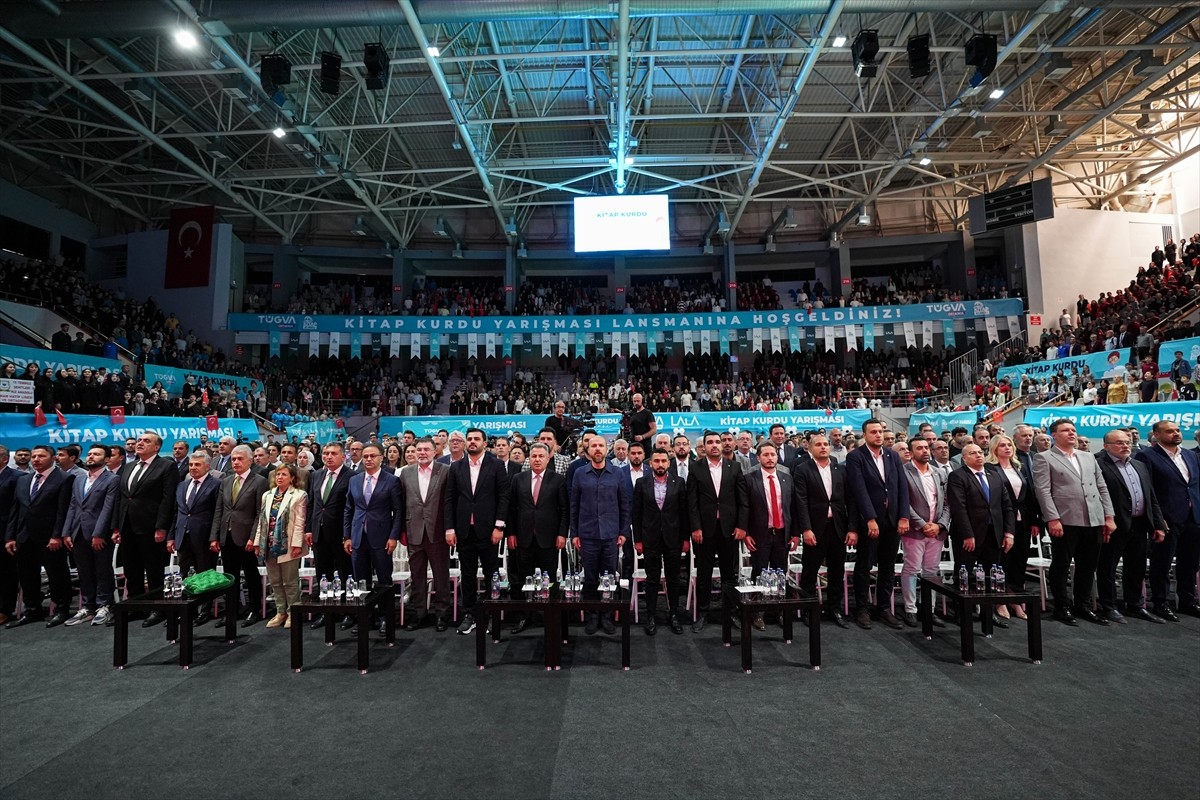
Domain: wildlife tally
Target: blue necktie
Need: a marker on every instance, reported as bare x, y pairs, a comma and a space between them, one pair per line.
987, 494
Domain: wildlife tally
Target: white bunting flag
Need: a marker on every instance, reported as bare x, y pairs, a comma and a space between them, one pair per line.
1014, 325
910, 334
756, 337
687, 342
547, 343
490, 343
335, 344
314, 344
990, 324
830, 339
927, 333
394, 345
776, 340
852, 337
563, 343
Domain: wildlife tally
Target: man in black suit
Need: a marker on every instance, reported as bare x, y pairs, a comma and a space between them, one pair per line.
717, 514
179, 455
323, 525
195, 506
476, 501
145, 511
681, 462
8, 565
39, 509
787, 452
1138, 516
825, 521
232, 533
537, 516
61, 341
769, 526
660, 535
876, 479
982, 519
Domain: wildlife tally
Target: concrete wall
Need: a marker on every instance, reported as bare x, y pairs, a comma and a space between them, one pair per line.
33, 210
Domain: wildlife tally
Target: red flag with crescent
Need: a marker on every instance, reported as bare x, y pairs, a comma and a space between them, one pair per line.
189, 248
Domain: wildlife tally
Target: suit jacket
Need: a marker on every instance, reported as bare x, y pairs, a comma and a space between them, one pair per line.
513, 468
974, 515
233, 522
327, 517
748, 461
378, 519
1122, 500
1179, 499
709, 513
221, 464
1025, 504
674, 469
1074, 498
812, 504
8, 483
181, 467
90, 516
759, 516
487, 503
919, 512
150, 505
292, 512
39, 519
195, 519
424, 518
544, 521
875, 498
663, 529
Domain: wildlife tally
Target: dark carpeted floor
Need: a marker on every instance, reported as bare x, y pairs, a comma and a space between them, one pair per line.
1111, 713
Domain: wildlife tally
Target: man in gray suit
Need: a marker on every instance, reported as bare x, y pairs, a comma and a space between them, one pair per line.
424, 534
87, 533
1073, 495
233, 530
928, 523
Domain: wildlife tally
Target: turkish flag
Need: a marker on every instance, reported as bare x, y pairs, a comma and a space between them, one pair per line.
189, 248
62, 418
116, 415
204, 397
39, 417
211, 422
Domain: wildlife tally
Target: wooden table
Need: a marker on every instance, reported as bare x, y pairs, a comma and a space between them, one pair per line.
964, 600
382, 598
752, 603
593, 600
517, 600
179, 612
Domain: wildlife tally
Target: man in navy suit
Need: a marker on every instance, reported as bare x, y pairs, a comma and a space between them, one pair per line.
8, 564
196, 505
660, 534
476, 502
876, 479
87, 533
373, 518
1175, 475
40, 502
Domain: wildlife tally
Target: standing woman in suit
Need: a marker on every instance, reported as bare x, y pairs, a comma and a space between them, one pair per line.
1018, 482
279, 540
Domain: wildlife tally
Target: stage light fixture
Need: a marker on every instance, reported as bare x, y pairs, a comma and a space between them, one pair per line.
926, 161
274, 71
864, 50
376, 60
980, 53
331, 73
996, 94
918, 56
279, 132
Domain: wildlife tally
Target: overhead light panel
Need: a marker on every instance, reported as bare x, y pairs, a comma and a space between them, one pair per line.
138, 89
275, 71
769, 247
217, 151
186, 39
279, 132
433, 51
1058, 67
918, 56
996, 94
926, 161
331, 73
864, 50
864, 216
234, 86
982, 129
839, 41
359, 228
1056, 126
375, 58
707, 247
980, 53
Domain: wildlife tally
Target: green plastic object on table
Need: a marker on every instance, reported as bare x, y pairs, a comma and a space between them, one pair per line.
207, 581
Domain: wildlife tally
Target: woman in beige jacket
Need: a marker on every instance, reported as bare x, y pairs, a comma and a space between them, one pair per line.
279, 541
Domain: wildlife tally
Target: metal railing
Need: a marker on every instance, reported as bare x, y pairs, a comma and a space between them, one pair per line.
1175, 315
962, 372
122, 352
1020, 341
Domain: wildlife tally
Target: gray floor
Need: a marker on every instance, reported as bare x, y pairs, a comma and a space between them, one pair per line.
1111, 712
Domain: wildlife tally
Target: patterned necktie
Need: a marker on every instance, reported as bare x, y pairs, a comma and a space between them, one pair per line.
369, 488
237, 487
37, 485
987, 493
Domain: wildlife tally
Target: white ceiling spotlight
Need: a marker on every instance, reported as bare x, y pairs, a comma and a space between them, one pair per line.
279, 132
185, 39
996, 94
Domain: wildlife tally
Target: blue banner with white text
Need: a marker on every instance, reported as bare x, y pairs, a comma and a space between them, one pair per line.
18, 430
173, 380
53, 359
323, 431
1102, 365
1094, 421
1188, 353
943, 420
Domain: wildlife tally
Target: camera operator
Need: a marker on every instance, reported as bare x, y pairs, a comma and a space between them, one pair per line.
642, 426
559, 423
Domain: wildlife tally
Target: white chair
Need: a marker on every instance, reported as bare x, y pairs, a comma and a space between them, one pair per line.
638, 576
455, 578
693, 602
1038, 564
401, 576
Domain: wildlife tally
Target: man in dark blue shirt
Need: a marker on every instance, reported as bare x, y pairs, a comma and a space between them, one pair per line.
601, 510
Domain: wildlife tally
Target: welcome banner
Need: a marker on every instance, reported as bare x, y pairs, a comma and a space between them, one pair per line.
18, 430
1095, 421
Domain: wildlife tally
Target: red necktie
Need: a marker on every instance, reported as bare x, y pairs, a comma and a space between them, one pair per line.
776, 511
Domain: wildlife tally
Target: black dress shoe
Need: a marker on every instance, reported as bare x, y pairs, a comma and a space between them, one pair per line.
203, 618
317, 621
606, 624
251, 619
699, 624
938, 622
521, 624
910, 619
676, 625
863, 618
759, 623
442, 625
999, 621
155, 618
1112, 615
889, 619
651, 627
412, 623
57, 619
1163, 611
735, 621
348, 622
219, 621
1090, 616
24, 619
1191, 611
1143, 614
839, 619
593, 625
1066, 618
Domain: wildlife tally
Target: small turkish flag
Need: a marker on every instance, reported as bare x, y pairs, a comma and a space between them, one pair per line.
116, 415
62, 418
211, 422
204, 397
39, 417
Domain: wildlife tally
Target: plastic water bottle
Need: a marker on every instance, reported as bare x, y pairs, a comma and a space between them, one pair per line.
980, 584
191, 572
337, 587
963, 584
606, 582
545, 586
178, 584
537, 578
998, 583
496, 585
324, 588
